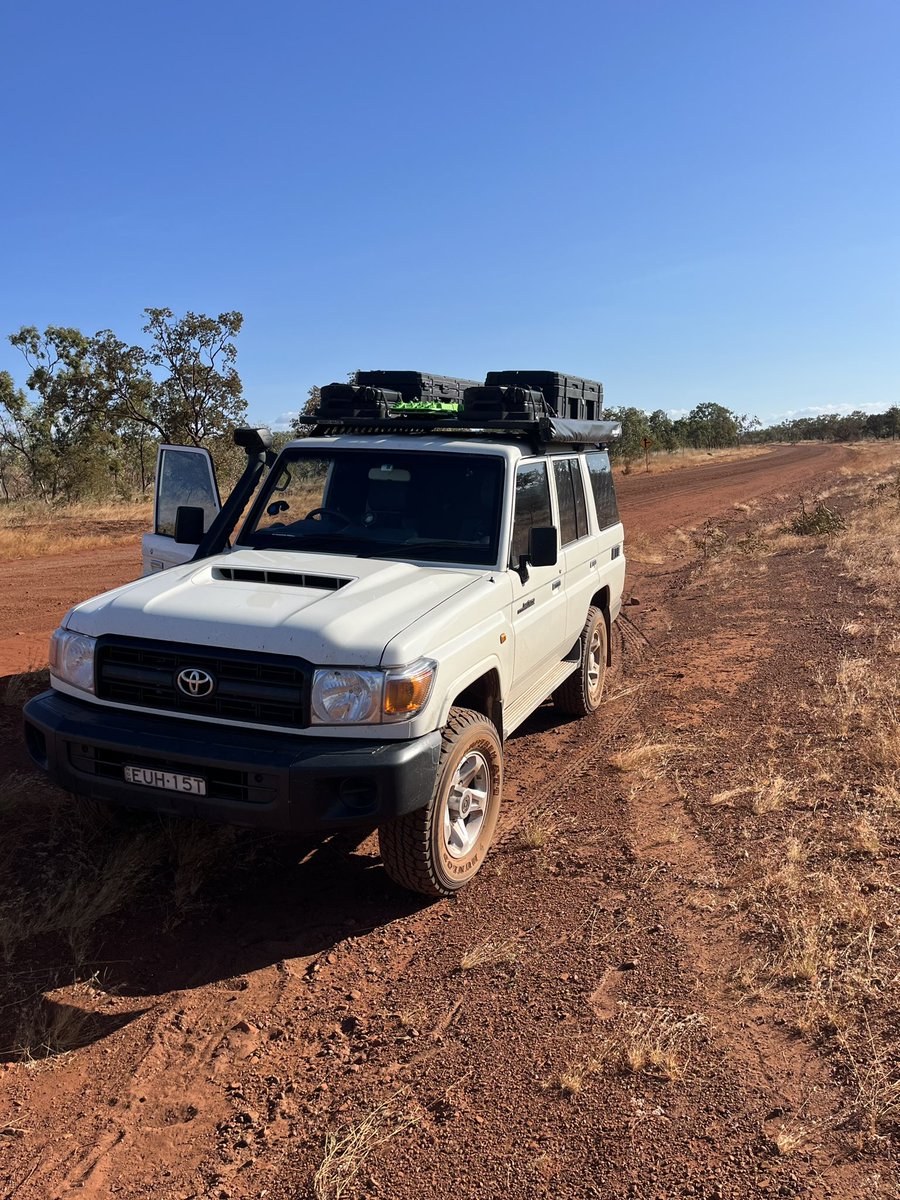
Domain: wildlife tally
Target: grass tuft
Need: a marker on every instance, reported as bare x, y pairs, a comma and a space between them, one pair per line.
646, 758
489, 953
347, 1150
650, 1041
537, 832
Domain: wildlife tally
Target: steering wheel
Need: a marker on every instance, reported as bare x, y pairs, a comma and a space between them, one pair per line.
327, 512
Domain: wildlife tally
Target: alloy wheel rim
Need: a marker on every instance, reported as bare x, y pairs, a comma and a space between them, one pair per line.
467, 803
594, 664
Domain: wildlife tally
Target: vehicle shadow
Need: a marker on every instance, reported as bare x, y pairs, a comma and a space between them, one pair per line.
543, 720
277, 903
295, 901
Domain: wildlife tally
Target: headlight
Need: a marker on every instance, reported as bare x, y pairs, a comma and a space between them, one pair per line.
72, 658
344, 696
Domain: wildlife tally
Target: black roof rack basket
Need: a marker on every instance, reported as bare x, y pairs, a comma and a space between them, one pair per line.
542, 432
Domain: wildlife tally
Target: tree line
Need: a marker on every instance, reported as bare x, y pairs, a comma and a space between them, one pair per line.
831, 427
94, 408
706, 427
715, 427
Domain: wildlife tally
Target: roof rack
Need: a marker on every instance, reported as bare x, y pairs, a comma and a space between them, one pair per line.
541, 432
545, 407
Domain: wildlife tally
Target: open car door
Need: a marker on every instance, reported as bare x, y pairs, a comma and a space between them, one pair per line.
185, 479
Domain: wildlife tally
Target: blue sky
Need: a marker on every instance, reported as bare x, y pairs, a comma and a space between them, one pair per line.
690, 201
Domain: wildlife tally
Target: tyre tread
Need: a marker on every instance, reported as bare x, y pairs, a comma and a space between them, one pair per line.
405, 841
569, 697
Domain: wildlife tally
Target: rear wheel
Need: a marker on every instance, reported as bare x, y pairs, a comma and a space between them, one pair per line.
438, 849
582, 692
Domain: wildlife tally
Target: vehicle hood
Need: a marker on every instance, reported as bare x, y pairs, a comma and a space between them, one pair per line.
307, 616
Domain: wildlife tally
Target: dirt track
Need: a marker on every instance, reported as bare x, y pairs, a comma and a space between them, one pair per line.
302, 991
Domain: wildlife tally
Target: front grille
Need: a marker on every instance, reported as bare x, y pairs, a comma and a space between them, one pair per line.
260, 688
222, 783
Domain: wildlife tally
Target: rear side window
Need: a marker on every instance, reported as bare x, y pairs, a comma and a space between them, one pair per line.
603, 489
570, 493
532, 505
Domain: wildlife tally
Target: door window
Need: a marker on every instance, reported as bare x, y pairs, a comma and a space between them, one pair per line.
185, 476
532, 505
570, 494
604, 491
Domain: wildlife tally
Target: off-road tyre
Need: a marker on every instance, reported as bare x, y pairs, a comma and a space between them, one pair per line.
582, 693
414, 847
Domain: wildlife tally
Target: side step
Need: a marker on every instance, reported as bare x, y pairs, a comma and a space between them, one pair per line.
536, 694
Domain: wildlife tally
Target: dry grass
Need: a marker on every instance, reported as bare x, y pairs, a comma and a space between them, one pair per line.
766, 792
876, 1079
662, 462
863, 701
94, 873
645, 758
651, 551
817, 924
47, 1028
26, 683
539, 831
650, 1041
771, 794
348, 1150
869, 550
31, 529
95, 861
816, 876
570, 1080
489, 953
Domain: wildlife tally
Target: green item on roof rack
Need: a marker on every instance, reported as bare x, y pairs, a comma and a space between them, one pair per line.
428, 408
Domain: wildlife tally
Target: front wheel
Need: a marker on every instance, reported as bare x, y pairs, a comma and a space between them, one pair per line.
438, 849
582, 692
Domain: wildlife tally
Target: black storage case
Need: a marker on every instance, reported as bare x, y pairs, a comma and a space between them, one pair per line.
415, 385
503, 404
346, 400
567, 396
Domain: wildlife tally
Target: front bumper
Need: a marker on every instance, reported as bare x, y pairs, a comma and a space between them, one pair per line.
264, 780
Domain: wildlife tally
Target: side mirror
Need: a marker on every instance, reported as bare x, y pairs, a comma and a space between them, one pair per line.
189, 521
543, 546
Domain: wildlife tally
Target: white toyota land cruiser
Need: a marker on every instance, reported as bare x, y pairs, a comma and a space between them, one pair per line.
410, 583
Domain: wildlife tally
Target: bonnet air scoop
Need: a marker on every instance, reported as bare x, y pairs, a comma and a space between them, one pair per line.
325, 583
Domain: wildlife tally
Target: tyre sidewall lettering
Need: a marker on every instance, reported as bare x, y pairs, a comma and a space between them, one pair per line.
456, 871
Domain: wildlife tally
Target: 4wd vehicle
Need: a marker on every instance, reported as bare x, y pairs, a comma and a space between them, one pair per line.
409, 584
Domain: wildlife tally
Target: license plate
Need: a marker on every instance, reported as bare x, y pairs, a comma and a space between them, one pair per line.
167, 781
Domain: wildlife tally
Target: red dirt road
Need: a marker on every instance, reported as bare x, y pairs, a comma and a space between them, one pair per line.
37, 592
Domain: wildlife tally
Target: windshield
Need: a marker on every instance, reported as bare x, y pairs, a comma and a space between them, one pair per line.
382, 504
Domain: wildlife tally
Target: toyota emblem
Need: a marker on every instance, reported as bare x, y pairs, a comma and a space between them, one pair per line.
195, 683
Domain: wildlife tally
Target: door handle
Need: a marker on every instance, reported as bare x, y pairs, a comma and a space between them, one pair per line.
556, 584
593, 562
